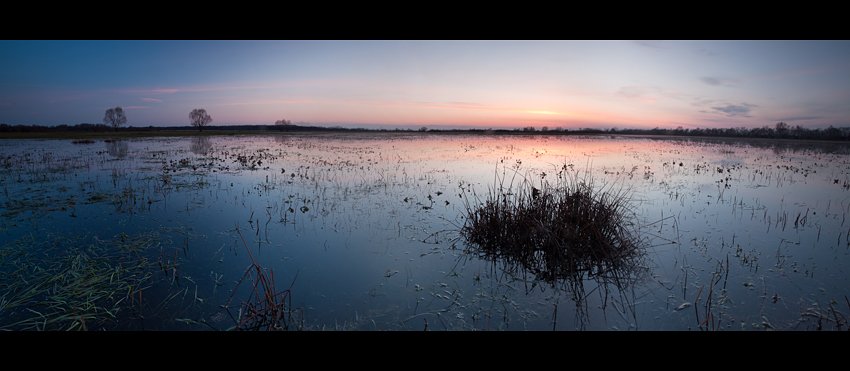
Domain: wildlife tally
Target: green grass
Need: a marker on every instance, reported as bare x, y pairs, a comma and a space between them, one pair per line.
65, 284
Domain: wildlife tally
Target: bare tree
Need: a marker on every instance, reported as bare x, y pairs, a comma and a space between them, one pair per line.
200, 118
115, 117
781, 129
283, 124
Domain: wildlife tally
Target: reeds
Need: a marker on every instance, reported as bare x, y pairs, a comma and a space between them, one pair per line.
831, 320
265, 308
563, 232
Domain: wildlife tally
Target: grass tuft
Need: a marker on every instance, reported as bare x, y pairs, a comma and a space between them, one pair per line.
565, 231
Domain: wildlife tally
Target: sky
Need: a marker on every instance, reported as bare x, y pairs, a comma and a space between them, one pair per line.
437, 84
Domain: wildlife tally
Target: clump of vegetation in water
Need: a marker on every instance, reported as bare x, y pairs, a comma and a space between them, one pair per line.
567, 231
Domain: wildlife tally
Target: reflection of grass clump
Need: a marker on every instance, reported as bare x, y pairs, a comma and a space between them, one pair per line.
567, 230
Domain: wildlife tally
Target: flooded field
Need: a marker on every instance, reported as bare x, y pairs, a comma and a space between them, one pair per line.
364, 232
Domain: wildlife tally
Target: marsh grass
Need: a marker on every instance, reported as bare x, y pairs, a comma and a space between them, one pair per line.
265, 308
65, 285
820, 319
563, 233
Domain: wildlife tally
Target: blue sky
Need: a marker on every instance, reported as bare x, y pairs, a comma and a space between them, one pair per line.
569, 84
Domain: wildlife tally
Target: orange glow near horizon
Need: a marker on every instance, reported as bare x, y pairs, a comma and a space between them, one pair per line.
463, 114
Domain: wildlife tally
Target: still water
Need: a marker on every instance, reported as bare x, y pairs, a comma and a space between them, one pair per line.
157, 234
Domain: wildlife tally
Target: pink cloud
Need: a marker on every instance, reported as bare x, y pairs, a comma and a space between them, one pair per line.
466, 106
298, 83
473, 106
136, 107
152, 100
216, 88
263, 102
149, 91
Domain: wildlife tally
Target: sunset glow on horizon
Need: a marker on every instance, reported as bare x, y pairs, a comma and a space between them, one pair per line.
438, 84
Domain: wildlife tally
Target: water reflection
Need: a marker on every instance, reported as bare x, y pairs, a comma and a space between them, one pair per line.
201, 145
282, 139
116, 148
778, 147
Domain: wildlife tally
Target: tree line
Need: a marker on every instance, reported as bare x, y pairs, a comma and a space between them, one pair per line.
780, 130
113, 119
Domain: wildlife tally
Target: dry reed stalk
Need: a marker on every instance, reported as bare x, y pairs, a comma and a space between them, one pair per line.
265, 308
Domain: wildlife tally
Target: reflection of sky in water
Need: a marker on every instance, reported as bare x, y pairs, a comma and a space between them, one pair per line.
349, 214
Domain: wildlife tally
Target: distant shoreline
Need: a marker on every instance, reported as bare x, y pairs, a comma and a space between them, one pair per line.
780, 131
129, 134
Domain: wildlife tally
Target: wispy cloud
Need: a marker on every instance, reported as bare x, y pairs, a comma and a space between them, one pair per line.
480, 107
474, 106
714, 81
630, 91
707, 52
468, 104
731, 110
802, 118
711, 81
545, 112
702, 102
184, 90
224, 88
262, 102
447, 105
146, 91
642, 93
152, 100
652, 44
810, 71
288, 84
132, 107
